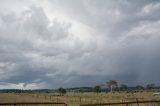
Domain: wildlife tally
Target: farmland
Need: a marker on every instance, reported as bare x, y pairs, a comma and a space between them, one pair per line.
75, 99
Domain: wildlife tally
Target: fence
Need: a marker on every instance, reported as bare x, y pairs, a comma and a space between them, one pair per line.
61, 103
35, 103
123, 103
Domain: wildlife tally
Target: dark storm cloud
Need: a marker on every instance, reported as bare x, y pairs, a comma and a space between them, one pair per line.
53, 44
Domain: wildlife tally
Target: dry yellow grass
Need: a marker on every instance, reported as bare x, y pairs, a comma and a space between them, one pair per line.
75, 99
12, 97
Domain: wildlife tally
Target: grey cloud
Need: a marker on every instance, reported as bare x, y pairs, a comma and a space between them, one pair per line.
36, 46
37, 52
108, 16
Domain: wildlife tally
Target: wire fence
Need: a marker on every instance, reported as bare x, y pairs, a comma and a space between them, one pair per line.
34, 103
133, 103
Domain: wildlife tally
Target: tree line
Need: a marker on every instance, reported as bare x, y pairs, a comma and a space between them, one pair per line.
112, 86
109, 86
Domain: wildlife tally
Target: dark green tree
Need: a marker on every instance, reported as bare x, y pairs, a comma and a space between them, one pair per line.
97, 89
123, 87
139, 87
62, 91
150, 86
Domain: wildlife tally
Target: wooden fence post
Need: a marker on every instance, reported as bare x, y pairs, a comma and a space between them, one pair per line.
137, 101
80, 100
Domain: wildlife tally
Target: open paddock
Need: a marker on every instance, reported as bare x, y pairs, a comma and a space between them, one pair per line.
76, 99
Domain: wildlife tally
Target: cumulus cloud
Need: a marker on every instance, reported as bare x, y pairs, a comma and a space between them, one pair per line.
56, 43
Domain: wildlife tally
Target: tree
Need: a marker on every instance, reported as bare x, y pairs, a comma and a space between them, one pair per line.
123, 87
62, 91
97, 89
139, 87
150, 86
111, 84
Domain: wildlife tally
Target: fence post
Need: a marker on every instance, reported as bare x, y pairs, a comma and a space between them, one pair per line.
57, 98
50, 97
137, 101
80, 100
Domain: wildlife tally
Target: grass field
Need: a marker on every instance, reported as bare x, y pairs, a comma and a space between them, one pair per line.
75, 99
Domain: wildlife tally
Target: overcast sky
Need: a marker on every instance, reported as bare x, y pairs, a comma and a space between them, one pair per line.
72, 43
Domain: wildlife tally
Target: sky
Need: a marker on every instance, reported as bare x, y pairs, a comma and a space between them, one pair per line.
72, 43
